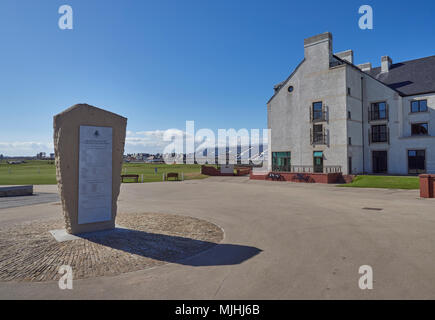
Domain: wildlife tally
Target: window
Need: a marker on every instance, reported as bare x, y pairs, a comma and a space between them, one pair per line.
416, 161
349, 115
349, 165
348, 91
378, 111
281, 161
419, 106
317, 111
290, 89
350, 141
379, 133
419, 129
318, 136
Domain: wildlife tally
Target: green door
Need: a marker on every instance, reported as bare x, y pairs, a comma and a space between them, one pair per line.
318, 162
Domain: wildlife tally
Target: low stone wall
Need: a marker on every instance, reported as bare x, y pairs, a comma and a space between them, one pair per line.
303, 177
14, 191
427, 186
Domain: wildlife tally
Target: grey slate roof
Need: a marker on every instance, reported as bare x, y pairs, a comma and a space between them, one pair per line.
409, 77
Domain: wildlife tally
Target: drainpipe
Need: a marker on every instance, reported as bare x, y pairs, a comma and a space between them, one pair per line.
362, 123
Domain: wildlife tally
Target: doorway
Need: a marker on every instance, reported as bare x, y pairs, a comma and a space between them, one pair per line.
380, 161
318, 162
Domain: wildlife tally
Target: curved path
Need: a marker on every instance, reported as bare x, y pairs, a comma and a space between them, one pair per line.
282, 241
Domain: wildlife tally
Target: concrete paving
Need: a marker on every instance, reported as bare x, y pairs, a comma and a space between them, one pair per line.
28, 200
313, 239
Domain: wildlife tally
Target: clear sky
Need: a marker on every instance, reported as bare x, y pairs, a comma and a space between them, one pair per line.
160, 63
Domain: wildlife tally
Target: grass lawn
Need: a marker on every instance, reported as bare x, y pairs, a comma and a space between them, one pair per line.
44, 172
388, 182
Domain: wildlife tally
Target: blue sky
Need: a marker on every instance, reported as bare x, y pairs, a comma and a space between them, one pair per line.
160, 63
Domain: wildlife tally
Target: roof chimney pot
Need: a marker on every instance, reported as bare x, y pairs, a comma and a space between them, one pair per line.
386, 63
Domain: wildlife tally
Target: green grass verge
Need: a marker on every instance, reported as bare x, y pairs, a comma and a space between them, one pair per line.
387, 182
44, 172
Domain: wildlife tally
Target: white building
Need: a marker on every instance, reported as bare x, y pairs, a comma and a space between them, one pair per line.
330, 114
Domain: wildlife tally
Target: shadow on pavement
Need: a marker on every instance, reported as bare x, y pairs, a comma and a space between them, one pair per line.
172, 249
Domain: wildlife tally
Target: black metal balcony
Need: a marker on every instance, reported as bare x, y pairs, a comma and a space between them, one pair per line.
378, 114
318, 115
379, 135
318, 138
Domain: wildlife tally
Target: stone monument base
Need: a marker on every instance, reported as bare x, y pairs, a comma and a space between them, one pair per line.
62, 235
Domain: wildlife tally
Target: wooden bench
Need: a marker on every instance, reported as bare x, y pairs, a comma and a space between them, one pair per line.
172, 175
130, 176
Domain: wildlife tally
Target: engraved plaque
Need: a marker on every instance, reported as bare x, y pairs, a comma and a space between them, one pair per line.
95, 174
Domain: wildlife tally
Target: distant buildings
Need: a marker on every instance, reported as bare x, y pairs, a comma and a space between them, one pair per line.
43, 156
40, 155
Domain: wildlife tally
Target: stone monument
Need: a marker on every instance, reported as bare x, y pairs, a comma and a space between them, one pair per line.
89, 148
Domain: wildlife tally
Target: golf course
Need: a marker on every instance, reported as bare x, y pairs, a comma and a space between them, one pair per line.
44, 172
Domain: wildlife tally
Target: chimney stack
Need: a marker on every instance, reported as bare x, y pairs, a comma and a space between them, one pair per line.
386, 63
366, 67
319, 48
346, 55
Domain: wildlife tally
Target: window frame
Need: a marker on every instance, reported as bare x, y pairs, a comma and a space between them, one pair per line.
419, 107
318, 136
377, 112
372, 133
425, 161
314, 111
276, 166
420, 123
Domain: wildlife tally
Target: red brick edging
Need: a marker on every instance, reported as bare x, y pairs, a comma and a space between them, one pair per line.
427, 186
303, 177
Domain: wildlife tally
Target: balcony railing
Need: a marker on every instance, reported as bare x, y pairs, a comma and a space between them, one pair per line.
318, 138
378, 114
318, 115
379, 137
310, 169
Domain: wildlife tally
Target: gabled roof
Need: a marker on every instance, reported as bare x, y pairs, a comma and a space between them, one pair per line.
409, 77
279, 86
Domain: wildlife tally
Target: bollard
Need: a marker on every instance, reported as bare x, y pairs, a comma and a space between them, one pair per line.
163, 177
182, 176
141, 178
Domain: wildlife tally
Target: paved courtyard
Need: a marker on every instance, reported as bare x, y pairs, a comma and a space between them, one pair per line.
281, 241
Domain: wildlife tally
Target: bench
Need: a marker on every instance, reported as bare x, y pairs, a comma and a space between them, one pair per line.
172, 175
130, 176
